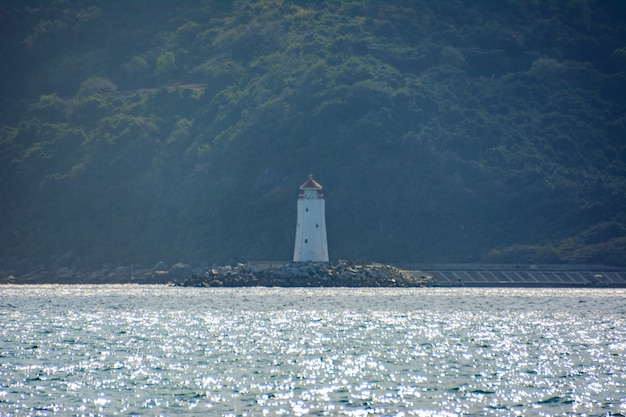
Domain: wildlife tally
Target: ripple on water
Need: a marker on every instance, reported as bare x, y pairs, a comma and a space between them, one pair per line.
268, 351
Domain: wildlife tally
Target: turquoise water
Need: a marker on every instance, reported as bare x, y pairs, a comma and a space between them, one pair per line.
157, 350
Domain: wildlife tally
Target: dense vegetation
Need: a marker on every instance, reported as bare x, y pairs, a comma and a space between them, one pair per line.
453, 131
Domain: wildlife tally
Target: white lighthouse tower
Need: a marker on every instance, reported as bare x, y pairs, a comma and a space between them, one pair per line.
311, 242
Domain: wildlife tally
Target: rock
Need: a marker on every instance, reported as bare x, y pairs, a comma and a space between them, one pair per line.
180, 271
158, 277
7, 279
160, 266
119, 274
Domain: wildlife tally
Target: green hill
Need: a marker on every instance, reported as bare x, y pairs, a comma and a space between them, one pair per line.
453, 131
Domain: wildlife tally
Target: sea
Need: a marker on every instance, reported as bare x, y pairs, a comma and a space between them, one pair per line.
131, 350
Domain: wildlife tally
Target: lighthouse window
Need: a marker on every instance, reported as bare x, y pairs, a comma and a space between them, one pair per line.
306, 240
317, 225
306, 209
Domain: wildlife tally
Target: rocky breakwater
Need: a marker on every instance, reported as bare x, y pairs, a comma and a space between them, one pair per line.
299, 274
307, 274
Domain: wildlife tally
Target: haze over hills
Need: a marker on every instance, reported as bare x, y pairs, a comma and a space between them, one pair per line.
456, 131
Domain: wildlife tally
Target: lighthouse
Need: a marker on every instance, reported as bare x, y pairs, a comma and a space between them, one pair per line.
311, 242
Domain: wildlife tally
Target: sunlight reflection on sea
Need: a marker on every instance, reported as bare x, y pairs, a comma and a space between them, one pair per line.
152, 350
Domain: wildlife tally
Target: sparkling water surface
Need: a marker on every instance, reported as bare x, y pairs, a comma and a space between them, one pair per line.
157, 350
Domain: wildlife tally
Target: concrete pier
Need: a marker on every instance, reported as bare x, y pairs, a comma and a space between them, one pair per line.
521, 275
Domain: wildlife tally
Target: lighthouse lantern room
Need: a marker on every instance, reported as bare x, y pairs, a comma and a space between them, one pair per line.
311, 242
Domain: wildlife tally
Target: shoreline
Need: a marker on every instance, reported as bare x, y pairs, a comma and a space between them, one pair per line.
328, 274
270, 274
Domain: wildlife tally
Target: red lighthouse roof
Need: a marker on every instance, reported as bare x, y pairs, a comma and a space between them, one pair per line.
311, 184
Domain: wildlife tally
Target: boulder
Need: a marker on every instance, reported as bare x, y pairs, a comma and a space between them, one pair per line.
181, 271
10, 279
158, 277
160, 266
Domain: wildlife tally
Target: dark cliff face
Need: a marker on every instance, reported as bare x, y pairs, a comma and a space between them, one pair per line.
453, 132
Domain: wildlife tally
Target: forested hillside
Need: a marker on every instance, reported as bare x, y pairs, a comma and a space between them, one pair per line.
442, 131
